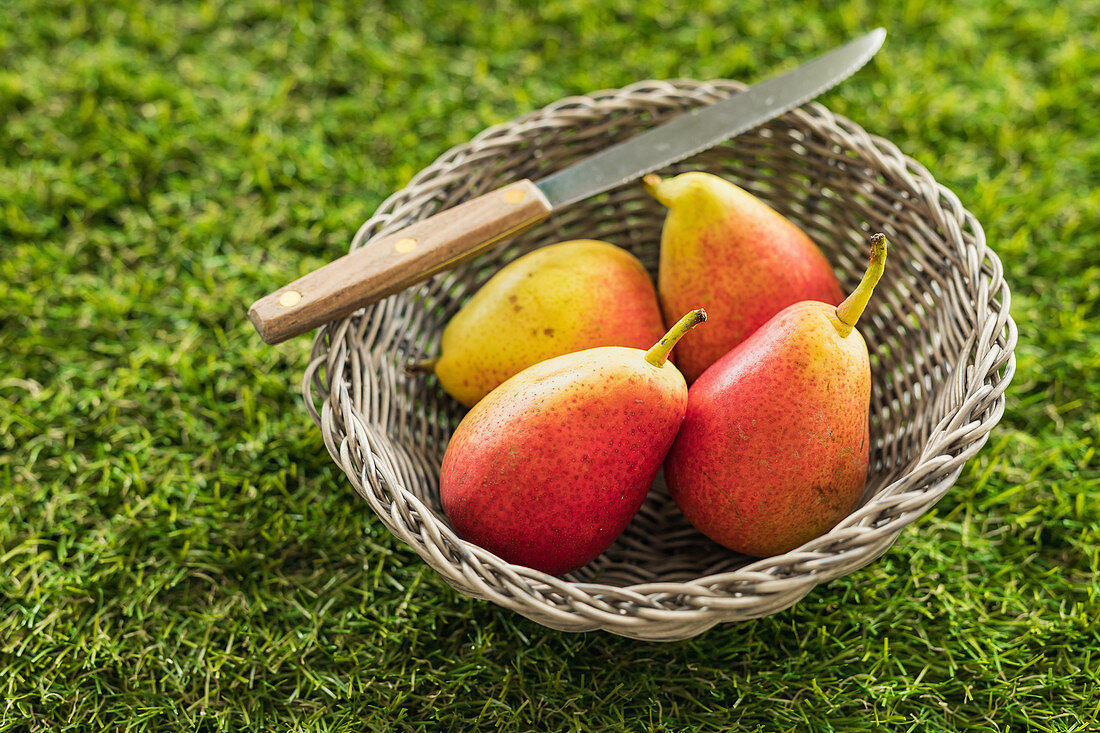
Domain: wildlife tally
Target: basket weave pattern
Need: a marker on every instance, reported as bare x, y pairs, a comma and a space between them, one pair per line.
938, 330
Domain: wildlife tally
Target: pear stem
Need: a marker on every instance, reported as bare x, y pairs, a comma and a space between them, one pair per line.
422, 366
650, 181
659, 353
851, 309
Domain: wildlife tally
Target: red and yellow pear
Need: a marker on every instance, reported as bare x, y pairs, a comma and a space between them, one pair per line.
549, 468
773, 451
725, 248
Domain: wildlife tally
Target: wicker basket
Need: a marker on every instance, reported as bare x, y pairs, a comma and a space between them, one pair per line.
938, 329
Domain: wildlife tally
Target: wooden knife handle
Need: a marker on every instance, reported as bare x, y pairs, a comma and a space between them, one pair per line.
392, 263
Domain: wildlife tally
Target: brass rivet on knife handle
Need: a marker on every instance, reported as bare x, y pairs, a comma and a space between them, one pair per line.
290, 298
389, 264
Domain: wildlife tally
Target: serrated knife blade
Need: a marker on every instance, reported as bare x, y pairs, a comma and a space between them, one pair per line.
705, 127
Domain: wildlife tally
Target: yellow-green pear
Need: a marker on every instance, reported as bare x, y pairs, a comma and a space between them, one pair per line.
541, 305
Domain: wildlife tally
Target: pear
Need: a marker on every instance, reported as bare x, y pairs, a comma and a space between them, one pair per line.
723, 247
774, 447
552, 465
540, 306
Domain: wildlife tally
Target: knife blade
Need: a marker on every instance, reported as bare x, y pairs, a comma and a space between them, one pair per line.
397, 261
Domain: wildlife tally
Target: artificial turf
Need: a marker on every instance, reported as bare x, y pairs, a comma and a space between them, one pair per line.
177, 550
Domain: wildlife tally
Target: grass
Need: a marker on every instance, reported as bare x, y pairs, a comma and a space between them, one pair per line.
178, 551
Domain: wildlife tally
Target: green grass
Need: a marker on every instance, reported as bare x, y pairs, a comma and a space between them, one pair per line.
178, 552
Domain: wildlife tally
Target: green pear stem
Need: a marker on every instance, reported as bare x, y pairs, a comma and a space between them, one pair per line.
659, 353
422, 366
851, 309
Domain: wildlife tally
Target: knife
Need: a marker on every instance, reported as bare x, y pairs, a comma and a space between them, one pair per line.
396, 261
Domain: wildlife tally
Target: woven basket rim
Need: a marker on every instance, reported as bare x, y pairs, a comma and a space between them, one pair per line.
710, 598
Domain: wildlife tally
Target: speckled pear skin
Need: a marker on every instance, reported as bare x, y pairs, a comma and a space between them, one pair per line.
742, 260
774, 447
538, 306
550, 467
